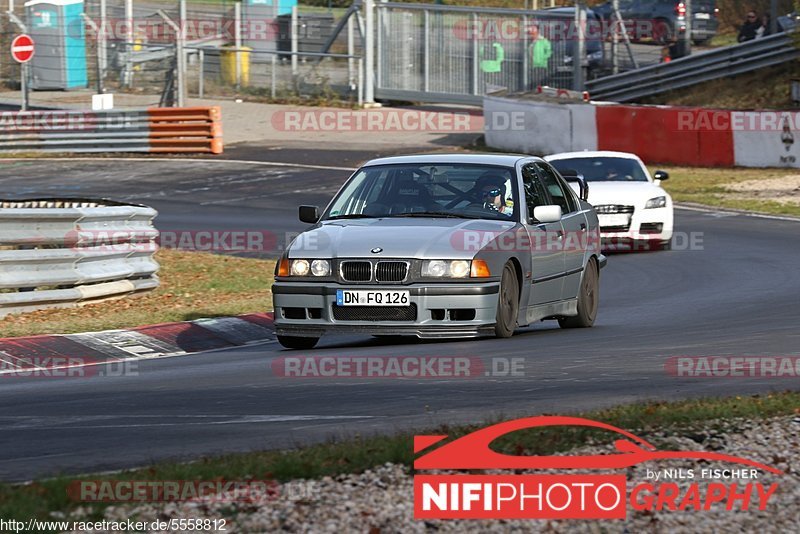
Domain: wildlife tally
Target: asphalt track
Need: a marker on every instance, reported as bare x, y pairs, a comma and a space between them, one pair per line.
737, 294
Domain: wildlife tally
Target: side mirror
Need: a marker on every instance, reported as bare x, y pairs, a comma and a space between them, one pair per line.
309, 214
574, 176
661, 175
547, 214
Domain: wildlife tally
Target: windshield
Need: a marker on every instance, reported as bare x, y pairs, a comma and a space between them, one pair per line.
428, 190
604, 169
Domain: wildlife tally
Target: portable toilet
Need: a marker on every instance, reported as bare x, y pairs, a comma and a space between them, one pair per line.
58, 32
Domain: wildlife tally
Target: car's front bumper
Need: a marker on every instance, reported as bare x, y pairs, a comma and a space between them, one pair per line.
442, 310
654, 225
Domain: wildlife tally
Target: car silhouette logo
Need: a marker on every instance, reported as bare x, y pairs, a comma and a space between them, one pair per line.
376, 250
473, 450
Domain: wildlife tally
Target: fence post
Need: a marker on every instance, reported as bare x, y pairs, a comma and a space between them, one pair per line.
579, 55
426, 55
294, 29
369, 52
475, 59
351, 50
202, 74
237, 39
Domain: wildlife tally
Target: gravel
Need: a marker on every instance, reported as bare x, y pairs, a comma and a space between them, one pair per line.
381, 500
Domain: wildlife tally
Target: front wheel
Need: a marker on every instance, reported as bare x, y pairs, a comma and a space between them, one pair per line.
508, 303
301, 343
588, 299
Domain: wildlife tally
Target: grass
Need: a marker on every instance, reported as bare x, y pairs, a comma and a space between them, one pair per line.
767, 88
40, 498
193, 285
708, 186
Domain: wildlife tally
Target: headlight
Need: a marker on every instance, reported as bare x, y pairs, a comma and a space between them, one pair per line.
320, 267
657, 202
455, 269
299, 268
445, 269
317, 268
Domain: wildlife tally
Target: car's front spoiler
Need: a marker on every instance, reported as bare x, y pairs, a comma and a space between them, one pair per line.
424, 332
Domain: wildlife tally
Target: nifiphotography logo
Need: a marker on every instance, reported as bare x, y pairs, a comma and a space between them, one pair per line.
571, 496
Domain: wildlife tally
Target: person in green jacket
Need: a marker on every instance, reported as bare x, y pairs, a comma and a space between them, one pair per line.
540, 51
492, 57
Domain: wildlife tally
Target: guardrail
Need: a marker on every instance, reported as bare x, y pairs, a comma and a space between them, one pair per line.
159, 130
694, 69
62, 253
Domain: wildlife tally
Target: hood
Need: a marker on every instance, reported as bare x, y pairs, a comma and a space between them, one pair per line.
625, 193
398, 237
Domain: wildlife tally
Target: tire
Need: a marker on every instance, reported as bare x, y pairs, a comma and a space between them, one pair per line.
301, 343
588, 299
662, 32
507, 303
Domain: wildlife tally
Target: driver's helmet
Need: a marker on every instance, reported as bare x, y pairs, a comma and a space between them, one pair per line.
489, 185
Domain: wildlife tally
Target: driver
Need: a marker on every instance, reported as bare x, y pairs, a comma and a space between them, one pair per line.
491, 192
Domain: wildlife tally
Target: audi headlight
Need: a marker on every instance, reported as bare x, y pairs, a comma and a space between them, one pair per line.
657, 202
446, 269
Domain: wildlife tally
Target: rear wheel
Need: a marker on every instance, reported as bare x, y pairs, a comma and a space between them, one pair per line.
508, 303
295, 342
588, 299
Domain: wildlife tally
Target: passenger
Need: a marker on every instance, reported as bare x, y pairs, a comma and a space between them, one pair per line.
750, 27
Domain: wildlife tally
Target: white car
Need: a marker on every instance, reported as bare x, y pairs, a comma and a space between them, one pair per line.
631, 205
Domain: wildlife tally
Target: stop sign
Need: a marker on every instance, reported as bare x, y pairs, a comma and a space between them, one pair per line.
22, 48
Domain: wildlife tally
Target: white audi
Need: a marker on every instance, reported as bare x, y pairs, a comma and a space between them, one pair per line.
632, 206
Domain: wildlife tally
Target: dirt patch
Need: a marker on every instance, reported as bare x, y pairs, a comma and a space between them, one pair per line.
785, 189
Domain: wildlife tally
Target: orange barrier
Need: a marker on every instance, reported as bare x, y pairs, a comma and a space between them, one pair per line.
186, 130
157, 130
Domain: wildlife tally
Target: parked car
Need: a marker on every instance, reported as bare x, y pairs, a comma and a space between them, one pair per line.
564, 49
631, 205
441, 246
668, 18
788, 22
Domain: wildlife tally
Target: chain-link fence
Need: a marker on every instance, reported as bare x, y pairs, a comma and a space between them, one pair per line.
130, 48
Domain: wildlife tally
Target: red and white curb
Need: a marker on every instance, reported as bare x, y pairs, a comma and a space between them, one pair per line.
25, 355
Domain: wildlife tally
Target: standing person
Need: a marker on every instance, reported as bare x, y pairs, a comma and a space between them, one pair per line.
540, 51
749, 29
765, 28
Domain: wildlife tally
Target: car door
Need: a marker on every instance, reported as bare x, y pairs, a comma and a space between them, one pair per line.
574, 224
547, 256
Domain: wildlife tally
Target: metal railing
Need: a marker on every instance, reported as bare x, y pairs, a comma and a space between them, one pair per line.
699, 68
275, 73
457, 54
61, 253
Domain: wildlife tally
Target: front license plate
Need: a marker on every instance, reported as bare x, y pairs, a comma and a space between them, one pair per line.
620, 219
364, 297
704, 16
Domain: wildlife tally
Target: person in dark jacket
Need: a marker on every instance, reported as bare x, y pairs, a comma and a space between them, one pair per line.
766, 26
750, 27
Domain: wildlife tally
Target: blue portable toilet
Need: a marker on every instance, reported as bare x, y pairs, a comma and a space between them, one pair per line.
60, 40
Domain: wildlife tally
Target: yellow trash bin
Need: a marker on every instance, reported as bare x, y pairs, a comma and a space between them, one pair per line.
228, 59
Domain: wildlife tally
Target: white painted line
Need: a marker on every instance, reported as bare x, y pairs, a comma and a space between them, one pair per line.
203, 160
733, 212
